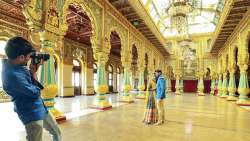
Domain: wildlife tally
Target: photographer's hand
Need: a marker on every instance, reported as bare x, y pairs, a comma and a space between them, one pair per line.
34, 68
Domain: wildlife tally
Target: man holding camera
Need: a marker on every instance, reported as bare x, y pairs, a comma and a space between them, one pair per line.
21, 84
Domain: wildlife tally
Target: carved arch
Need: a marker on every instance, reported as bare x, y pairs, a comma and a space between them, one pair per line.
120, 34
90, 13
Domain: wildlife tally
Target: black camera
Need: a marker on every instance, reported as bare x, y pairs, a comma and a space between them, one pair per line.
37, 57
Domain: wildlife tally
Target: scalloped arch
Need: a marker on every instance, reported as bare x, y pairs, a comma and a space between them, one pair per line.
89, 13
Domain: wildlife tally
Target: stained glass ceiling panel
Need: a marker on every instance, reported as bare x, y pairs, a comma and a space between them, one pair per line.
202, 19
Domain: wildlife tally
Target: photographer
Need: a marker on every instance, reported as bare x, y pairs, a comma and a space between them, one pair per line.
22, 86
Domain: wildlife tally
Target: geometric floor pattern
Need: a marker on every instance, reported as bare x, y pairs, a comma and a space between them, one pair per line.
188, 118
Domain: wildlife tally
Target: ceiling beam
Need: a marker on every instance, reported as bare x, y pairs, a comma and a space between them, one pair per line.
241, 3
236, 10
130, 14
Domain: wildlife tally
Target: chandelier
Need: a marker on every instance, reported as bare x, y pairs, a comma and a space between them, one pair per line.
178, 11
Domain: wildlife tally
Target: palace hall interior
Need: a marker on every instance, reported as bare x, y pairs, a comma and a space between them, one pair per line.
101, 81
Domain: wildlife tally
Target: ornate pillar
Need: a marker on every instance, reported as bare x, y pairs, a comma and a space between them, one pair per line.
232, 86
220, 85
200, 86
243, 88
101, 86
177, 83
60, 46
141, 68
181, 85
47, 76
232, 69
141, 86
224, 86
212, 87
115, 89
169, 85
243, 62
177, 74
126, 96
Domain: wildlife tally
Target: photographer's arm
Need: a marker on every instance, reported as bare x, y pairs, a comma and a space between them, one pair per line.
24, 87
33, 70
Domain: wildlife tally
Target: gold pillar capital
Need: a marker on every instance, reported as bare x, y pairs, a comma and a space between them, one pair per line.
225, 75
243, 68
177, 74
102, 57
232, 70
48, 36
126, 61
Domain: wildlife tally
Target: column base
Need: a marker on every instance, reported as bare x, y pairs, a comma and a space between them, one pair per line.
57, 115
140, 96
211, 92
201, 94
243, 102
169, 90
223, 96
102, 108
102, 105
61, 119
127, 99
178, 93
219, 95
232, 98
89, 94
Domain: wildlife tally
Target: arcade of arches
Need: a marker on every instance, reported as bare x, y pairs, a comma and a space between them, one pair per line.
104, 52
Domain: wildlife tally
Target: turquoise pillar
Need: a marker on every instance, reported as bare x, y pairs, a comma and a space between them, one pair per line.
243, 88
126, 96
181, 86
219, 86
141, 85
224, 86
232, 88
212, 86
101, 86
177, 86
47, 75
201, 86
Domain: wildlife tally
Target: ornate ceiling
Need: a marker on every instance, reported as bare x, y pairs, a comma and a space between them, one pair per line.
79, 25
124, 7
12, 19
236, 14
11, 9
134, 55
80, 29
115, 44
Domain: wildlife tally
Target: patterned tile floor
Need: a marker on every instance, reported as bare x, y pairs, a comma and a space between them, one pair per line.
188, 118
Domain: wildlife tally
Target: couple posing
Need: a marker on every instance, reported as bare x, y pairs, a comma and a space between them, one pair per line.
154, 112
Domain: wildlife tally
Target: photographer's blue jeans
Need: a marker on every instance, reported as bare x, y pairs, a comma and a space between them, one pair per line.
34, 129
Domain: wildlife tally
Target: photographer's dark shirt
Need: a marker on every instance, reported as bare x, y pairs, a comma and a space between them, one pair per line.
24, 93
